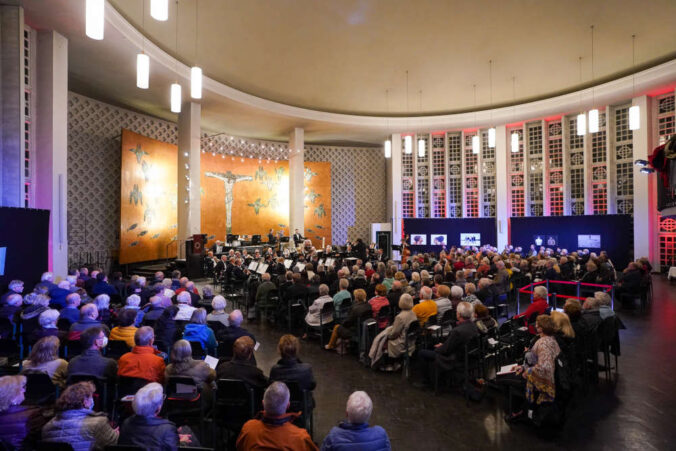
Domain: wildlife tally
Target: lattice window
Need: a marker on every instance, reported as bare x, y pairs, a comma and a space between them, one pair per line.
600, 198
576, 144
438, 177
454, 175
666, 126
472, 202
423, 177
577, 191
407, 186
624, 155
535, 167
666, 121
516, 174
487, 177
488, 196
471, 179
407, 204
667, 240
29, 107
556, 200
555, 169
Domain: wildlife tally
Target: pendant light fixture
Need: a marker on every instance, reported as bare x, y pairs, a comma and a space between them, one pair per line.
195, 71
515, 134
594, 113
634, 110
421, 142
491, 131
95, 18
581, 118
408, 140
475, 139
159, 10
176, 96
388, 141
142, 60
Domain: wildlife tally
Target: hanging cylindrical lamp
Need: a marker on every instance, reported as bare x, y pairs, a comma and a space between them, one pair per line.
196, 82
515, 142
408, 144
475, 144
388, 148
421, 148
593, 121
95, 18
581, 124
159, 9
142, 71
491, 137
634, 117
175, 98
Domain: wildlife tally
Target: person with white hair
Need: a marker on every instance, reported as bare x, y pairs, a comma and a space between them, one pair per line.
58, 294
48, 326
443, 302
88, 315
153, 310
448, 355
218, 313
605, 304
11, 308
133, 302
355, 433
537, 307
312, 318
102, 302
146, 429
37, 303
15, 287
71, 311
185, 308
275, 430
426, 307
47, 281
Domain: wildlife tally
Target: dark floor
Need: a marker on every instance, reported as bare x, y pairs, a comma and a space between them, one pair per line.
638, 413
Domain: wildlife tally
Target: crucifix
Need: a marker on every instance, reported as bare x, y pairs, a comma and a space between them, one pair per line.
229, 179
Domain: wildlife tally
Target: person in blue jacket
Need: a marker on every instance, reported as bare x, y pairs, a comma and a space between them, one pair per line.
197, 330
355, 433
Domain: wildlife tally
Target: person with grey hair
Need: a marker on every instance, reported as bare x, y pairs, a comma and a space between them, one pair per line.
426, 307
15, 287
207, 293
447, 356
48, 327
275, 428
355, 433
342, 295
218, 313
47, 281
538, 307
144, 360
11, 309
37, 303
133, 302
102, 302
185, 309
470, 297
605, 304
146, 429
182, 364
312, 319
71, 312
197, 330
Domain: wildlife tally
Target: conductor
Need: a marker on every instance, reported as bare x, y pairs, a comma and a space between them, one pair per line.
271, 237
297, 238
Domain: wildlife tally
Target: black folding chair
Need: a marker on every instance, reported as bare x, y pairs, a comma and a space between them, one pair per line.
198, 352
184, 401
301, 401
411, 338
40, 390
216, 326
101, 384
54, 446
116, 349
326, 310
234, 405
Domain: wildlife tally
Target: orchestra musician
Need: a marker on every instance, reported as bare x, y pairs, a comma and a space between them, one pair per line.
271, 237
297, 238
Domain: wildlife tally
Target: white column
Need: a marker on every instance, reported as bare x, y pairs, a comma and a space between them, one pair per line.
188, 189
501, 186
296, 184
12, 116
394, 188
645, 195
51, 125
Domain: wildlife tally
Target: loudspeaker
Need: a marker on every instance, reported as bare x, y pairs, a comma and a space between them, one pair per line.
198, 242
384, 242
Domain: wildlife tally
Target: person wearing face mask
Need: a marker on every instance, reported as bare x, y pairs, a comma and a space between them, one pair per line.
76, 423
90, 361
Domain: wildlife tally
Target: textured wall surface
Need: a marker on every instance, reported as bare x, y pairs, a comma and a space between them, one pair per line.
358, 188
94, 130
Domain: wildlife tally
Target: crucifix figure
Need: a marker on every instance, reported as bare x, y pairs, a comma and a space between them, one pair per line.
229, 179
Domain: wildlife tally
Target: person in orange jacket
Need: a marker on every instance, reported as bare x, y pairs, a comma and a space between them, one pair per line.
143, 361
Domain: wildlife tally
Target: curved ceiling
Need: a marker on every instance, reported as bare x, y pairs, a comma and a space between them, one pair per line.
342, 56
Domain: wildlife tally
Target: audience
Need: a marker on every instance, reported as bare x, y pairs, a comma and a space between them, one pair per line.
312, 318
90, 361
484, 321
71, 312
126, 329
242, 366
426, 307
182, 364
537, 307
185, 308
396, 338
230, 334
44, 357
143, 361
197, 330
360, 311
88, 315
377, 302
18, 422
48, 326
355, 433
102, 302
146, 429
76, 423
218, 313
289, 368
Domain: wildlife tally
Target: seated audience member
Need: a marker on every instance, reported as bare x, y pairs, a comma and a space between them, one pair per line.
484, 321
342, 295
207, 293
103, 287
133, 303
447, 356
166, 329
90, 361
564, 334
18, 423
15, 287
630, 280
312, 318
426, 307
537, 307
146, 429
591, 314
605, 304
102, 303
274, 428
264, 288
48, 327
197, 330
185, 308
379, 301
35, 305
218, 313
470, 297
58, 295
243, 366
88, 315
360, 310
355, 433
487, 291
44, 357
143, 361
154, 309
460, 278
182, 364
359, 281
11, 307
230, 334
70, 311
573, 309
396, 338
395, 293
76, 423
592, 274
442, 301
289, 368
126, 329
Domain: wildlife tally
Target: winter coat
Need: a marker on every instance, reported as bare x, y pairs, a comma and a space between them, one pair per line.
356, 437
83, 429
150, 433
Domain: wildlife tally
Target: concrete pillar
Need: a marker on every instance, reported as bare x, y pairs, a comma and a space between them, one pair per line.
296, 181
188, 189
645, 194
11, 106
501, 186
51, 125
394, 188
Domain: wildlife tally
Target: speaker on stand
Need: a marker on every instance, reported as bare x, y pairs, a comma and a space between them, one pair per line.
384, 242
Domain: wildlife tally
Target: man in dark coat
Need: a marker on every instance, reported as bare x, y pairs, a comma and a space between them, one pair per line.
243, 366
228, 335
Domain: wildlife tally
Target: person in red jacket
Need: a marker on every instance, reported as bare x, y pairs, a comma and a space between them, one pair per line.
143, 361
539, 306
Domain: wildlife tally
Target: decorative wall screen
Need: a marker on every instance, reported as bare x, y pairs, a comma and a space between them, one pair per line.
624, 162
535, 167
407, 187
454, 174
423, 177
29, 108
555, 167
666, 127
438, 177
576, 149
487, 177
599, 168
516, 175
471, 179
